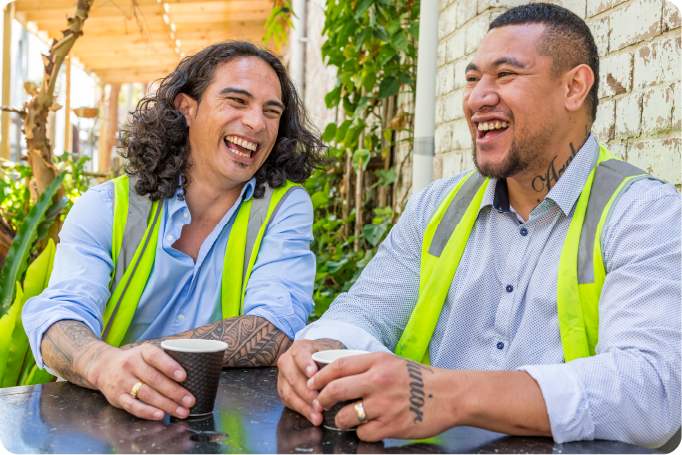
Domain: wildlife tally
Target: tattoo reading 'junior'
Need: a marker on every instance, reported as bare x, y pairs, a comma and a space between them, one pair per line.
417, 393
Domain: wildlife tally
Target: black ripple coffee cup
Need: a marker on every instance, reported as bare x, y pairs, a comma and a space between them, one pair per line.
203, 362
322, 359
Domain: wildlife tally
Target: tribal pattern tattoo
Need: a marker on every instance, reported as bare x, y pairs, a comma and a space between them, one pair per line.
252, 341
331, 344
417, 393
70, 349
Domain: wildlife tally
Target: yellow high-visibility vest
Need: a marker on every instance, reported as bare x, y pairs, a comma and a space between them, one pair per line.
581, 268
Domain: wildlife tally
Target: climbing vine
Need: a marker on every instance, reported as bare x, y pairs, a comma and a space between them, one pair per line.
372, 45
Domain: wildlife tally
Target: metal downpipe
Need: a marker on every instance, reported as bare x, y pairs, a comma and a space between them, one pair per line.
425, 103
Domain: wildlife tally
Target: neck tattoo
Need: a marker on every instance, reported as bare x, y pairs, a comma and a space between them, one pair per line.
546, 181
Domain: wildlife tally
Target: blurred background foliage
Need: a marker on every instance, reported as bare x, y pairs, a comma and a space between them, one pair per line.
371, 43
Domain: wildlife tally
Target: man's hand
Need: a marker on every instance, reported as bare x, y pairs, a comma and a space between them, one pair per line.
296, 366
117, 373
75, 353
401, 398
407, 400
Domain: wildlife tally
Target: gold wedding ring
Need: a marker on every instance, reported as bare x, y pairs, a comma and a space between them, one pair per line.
360, 412
136, 389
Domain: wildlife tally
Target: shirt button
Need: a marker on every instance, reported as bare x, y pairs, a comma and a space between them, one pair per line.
524, 232
500, 345
170, 238
181, 317
509, 288
186, 214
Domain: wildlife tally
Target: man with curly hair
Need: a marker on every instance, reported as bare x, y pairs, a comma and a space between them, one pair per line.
207, 235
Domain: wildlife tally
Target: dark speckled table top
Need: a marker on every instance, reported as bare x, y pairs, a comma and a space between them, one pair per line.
248, 418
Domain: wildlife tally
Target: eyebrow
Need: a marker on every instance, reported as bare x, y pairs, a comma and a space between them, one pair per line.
511, 61
239, 91
470, 67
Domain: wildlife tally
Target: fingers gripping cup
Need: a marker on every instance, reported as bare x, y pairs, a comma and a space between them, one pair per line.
203, 361
322, 359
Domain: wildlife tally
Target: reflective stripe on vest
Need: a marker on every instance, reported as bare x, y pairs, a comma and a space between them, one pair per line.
581, 268
134, 240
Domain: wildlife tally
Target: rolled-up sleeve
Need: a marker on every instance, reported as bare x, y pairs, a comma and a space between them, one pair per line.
630, 390
79, 285
281, 284
372, 315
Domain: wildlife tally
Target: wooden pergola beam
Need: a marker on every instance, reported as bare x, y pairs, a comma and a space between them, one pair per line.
123, 77
120, 48
123, 28
103, 63
39, 5
50, 11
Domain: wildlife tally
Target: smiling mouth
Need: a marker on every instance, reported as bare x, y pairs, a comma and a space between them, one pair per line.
241, 147
491, 129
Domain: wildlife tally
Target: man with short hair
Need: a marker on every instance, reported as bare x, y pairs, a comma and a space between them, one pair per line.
538, 295
206, 236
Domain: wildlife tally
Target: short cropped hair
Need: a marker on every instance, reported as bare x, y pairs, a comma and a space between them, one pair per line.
567, 39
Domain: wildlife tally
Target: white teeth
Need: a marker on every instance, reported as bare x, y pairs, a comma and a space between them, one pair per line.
237, 152
242, 143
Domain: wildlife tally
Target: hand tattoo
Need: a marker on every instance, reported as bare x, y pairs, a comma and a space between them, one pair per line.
252, 341
330, 344
417, 394
70, 349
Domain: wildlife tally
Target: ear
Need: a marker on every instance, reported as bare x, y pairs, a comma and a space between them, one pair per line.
579, 81
188, 106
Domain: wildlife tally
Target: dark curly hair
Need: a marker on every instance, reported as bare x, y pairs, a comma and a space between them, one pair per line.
155, 140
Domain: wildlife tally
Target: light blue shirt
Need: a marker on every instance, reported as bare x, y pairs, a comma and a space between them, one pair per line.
180, 294
501, 312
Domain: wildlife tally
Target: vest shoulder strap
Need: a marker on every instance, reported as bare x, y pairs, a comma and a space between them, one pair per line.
454, 213
133, 255
134, 219
259, 215
612, 178
243, 244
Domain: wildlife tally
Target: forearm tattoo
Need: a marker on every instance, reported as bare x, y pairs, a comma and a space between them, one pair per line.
417, 392
331, 344
70, 349
252, 341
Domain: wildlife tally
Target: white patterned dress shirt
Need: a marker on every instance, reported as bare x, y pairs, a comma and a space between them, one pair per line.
501, 313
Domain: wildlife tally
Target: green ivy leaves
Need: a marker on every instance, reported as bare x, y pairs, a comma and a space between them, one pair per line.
371, 43
389, 87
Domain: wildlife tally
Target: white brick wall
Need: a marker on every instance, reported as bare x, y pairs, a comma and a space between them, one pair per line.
638, 117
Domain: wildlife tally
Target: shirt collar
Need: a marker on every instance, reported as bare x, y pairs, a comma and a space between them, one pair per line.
566, 190
177, 202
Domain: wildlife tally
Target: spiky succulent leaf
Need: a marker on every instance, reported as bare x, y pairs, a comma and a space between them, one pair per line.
17, 258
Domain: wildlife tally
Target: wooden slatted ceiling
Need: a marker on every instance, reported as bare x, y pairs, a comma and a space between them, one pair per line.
130, 41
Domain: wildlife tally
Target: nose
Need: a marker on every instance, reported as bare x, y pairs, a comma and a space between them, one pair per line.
483, 94
253, 119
